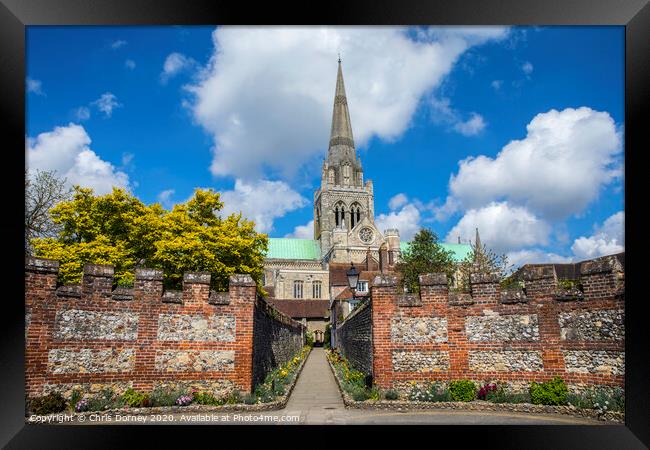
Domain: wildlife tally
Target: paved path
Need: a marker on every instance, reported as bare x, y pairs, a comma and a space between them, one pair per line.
316, 399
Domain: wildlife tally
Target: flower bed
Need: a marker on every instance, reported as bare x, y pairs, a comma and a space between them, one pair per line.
593, 404
272, 394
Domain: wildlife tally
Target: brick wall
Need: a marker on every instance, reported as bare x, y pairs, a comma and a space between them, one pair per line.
512, 336
277, 338
90, 336
353, 338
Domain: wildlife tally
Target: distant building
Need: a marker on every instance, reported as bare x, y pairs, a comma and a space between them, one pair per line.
303, 276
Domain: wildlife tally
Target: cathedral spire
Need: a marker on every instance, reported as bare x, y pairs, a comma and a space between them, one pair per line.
341, 145
478, 249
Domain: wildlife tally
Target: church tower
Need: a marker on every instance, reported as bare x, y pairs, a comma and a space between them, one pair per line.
344, 212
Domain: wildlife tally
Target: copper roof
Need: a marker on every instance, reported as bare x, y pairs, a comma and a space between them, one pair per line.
299, 308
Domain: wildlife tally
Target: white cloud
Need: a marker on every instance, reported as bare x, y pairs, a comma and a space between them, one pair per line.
303, 231
261, 82
106, 103
127, 159
118, 44
35, 86
496, 84
82, 113
606, 240
66, 150
406, 220
129, 64
518, 258
262, 201
503, 227
527, 67
165, 197
442, 112
472, 126
555, 171
398, 200
174, 64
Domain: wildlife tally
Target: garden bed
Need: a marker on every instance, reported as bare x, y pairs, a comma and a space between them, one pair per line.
476, 405
278, 403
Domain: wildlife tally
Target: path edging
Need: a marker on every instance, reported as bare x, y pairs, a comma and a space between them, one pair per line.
476, 405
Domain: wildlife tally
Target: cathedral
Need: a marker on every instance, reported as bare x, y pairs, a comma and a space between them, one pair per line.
304, 276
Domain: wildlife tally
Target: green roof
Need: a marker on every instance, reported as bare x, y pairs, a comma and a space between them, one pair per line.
460, 250
289, 248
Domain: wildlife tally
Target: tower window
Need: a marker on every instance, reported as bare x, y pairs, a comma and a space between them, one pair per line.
297, 289
317, 289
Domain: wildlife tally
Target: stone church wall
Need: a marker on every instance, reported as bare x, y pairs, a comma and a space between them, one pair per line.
91, 336
512, 337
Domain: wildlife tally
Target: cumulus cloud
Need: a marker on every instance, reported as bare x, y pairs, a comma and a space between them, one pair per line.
106, 103
398, 200
442, 112
118, 44
518, 258
82, 113
472, 126
66, 150
527, 67
607, 239
262, 201
496, 84
303, 231
34, 86
406, 220
174, 64
261, 82
555, 171
129, 64
165, 197
503, 227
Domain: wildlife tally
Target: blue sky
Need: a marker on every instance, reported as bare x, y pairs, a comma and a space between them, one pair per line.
515, 130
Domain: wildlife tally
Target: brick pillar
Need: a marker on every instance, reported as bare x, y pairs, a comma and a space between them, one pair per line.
40, 287
602, 277
384, 299
539, 280
484, 288
147, 292
196, 288
97, 281
243, 293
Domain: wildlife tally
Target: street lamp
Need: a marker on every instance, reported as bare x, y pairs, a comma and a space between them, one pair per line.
353, 278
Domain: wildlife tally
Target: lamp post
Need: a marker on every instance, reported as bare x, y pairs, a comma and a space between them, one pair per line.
353, 279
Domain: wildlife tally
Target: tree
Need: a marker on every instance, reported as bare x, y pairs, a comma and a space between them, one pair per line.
43, 190
119, 229
425, 255
480, 260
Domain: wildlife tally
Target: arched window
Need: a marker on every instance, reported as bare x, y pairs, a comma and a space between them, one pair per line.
297, 289
317, 288
355, 214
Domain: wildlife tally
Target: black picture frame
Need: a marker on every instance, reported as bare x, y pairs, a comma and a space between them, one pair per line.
15, 15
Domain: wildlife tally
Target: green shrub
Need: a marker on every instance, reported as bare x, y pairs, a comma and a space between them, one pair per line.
48, 404
553, 392
309, 338
599, 398
234, 397
133, 398
75, 397
501, 395
359, 394
391, 395
433, 392
104, 400
206, 398
250, 399
265, 392
462, 390
164, 396
327, 336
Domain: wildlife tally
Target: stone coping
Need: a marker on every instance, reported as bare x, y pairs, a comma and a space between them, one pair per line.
270, 406
476, 405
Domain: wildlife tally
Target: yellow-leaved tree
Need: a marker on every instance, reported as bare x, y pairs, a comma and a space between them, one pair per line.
119, 229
